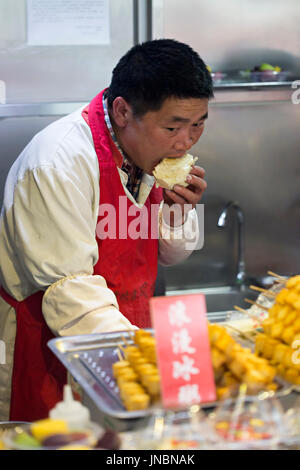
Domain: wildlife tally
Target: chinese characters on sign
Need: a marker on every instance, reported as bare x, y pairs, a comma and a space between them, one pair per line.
181, 341
183, 350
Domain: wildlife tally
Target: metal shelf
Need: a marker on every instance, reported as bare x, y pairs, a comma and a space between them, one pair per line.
251, 85
63, 108
38, 109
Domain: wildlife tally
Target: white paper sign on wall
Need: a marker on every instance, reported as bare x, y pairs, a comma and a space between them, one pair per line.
68, 22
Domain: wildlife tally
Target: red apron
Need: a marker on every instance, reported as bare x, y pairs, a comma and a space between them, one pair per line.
129, 266
38, 376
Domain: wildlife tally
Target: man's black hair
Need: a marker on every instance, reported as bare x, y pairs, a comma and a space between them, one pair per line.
155, 70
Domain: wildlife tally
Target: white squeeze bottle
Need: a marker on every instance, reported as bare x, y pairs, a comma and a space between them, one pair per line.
72, 411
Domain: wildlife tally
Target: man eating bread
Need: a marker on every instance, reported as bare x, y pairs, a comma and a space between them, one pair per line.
61, 271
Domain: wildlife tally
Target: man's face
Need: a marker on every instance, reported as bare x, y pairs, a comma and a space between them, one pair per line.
169, 132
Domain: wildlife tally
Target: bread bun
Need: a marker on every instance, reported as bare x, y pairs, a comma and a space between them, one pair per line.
171, 171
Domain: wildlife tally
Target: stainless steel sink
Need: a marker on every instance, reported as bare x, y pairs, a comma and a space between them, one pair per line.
221, 299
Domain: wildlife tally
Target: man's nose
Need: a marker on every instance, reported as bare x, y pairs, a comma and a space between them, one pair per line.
184, 143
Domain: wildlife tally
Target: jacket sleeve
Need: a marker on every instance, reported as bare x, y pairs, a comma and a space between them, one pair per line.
54, 216
177, 243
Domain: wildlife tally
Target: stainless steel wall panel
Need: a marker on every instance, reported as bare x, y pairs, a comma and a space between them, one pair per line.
15, 133
58, 73
251, 154
250, 148
233, 34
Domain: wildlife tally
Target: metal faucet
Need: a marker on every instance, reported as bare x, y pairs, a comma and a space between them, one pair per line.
241, 267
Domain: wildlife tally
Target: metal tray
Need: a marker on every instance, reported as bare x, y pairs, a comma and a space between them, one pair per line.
89, 360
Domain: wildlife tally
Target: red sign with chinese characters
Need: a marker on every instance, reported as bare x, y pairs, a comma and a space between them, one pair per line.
183, 350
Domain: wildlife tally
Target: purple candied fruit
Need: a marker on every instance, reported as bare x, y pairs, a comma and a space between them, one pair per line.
58, 440
109, 440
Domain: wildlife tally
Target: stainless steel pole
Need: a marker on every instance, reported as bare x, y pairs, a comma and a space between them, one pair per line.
142, 21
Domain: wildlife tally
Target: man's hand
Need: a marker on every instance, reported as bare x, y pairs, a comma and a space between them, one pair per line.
186, 198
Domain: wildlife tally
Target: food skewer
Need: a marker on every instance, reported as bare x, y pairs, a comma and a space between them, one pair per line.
280, 278
235, 364
256, 303
264, 291
241, 333
131, 334
121, 347
246, 312
125, 341
119, 355
138, 380
238, 409
241, 309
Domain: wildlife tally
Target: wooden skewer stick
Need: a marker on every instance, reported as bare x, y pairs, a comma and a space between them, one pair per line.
241, 309
119, 355
125, 341
265, 291
246, 312
279, 281
257, 304
241, 333
121, 347
282, 278
131, 334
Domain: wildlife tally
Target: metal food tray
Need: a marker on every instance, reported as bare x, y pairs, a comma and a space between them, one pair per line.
89, 360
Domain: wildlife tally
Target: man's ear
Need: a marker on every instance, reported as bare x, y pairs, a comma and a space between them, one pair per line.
122, 111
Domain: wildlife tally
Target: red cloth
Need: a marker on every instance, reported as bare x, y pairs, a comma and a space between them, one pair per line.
129, 267
38, 376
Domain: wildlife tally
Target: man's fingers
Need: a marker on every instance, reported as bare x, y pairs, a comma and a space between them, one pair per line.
198, 171
175, 197
196, 185
192, 193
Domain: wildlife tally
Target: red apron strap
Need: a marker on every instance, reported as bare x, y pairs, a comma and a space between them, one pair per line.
128, 264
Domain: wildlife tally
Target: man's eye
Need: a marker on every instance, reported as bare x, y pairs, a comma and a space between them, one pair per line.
172, 129
198, 124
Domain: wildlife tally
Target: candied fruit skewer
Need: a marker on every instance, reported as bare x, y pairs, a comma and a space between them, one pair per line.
255, 303
277, 276
135, 370
264, 291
